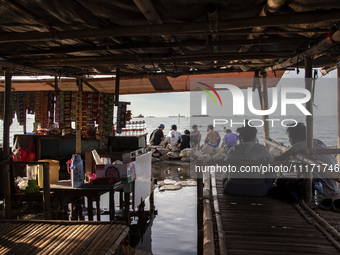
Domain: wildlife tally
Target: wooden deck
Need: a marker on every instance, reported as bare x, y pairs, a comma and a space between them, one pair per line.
262, 225
59, 237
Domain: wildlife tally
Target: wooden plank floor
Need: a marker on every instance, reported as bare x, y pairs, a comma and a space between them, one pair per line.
47, 237
262, 225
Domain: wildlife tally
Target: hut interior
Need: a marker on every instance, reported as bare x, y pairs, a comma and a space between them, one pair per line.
154, 46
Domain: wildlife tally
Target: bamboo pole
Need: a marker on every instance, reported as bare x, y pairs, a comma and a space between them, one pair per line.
323, 228
321, 221
309, 124
208, 230
219, 223
6, 148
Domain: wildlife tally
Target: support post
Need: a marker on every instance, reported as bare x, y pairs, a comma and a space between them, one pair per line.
46, 194
6, 148
56, 84
199, 213
117, 86
338, 95
264, 106
309, 124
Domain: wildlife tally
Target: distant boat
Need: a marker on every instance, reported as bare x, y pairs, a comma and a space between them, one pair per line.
139, 116
181, 116
200, 115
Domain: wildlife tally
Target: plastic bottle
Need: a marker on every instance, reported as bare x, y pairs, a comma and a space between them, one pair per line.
77, 171
318, 192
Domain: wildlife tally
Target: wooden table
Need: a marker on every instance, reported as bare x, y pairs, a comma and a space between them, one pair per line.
64, 191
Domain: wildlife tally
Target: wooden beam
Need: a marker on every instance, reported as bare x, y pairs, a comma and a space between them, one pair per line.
159, 59
89, 85
174, 29
161, 83
312, 51
114, 47
53, 86
15, 66
270, 7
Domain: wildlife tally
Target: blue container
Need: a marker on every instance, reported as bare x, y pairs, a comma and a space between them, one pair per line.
77, 171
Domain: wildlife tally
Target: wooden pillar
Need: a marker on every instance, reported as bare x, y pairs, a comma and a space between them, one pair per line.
56, 84
117, 86
46, 194
6, 148
309, 124
90, 208
112, 204
264, 106
199, 213
338, 95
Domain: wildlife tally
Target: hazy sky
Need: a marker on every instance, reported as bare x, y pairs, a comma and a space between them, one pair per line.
170, 104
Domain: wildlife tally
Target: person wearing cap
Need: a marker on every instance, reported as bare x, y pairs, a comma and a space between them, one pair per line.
157, 136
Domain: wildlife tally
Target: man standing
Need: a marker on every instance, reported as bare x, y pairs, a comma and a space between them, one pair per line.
157, 136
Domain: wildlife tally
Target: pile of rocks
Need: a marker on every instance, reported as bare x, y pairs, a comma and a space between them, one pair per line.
170, 153
205, 154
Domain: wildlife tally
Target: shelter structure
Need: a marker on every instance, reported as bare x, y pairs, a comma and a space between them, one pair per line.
156, 46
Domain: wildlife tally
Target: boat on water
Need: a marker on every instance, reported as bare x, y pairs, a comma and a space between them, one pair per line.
200, 115
176, 116
139, 116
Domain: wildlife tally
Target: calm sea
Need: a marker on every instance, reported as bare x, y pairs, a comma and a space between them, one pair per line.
325, 127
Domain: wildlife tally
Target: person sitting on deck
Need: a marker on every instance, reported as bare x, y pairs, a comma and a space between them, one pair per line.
297, 139
248, 184
213, 137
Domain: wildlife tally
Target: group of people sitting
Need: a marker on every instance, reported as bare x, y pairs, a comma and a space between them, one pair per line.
245, 147
249, 149
174, 138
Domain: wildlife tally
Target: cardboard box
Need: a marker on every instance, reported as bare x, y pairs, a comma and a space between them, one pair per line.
108, 171
119, 172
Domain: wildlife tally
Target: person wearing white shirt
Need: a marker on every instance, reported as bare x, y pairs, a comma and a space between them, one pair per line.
174, 137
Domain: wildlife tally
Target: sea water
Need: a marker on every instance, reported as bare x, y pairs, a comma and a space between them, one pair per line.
174, 230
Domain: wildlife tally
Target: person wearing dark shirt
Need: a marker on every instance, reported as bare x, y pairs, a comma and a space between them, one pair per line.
185, 140
157, 136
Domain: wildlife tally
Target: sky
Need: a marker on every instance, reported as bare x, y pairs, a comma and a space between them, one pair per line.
172, 104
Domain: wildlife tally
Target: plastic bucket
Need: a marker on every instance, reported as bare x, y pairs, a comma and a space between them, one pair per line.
54, 171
